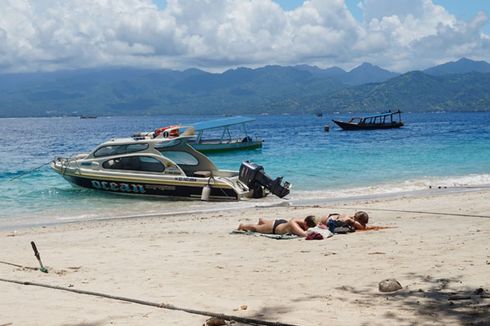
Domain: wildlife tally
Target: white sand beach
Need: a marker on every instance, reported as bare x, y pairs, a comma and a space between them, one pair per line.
437, 247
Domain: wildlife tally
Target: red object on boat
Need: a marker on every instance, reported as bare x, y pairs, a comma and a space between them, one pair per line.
169, 131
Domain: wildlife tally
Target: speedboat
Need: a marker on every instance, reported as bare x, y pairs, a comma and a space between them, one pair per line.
164, 167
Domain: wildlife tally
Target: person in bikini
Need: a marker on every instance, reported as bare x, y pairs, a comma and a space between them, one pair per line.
281, 226
358, 221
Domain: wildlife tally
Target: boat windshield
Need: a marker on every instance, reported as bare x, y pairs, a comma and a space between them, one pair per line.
119, 149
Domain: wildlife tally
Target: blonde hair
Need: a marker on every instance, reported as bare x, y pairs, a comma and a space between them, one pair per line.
361, 217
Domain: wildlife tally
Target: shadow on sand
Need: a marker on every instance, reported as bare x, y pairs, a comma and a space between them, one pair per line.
442, 301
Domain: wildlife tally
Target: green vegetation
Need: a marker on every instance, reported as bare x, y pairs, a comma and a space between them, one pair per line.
271, 89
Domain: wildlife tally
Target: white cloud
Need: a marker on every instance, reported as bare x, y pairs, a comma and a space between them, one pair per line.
419, 33
218, 34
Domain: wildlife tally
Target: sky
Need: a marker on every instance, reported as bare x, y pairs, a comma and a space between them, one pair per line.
216, 35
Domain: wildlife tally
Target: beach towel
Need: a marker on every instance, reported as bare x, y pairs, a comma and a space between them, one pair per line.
270, 236
318, 233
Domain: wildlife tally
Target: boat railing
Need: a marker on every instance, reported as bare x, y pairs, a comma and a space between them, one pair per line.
380, 119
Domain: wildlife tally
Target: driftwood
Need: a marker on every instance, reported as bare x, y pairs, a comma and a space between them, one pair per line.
249, 321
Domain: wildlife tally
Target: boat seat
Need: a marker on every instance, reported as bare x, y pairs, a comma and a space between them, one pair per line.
203, 174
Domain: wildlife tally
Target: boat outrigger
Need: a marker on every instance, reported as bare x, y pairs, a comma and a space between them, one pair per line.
164, 167
385, 120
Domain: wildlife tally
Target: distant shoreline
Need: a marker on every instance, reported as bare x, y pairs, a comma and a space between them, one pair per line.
336, 113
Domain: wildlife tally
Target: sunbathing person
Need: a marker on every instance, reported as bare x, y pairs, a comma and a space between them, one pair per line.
358, 221
281, 226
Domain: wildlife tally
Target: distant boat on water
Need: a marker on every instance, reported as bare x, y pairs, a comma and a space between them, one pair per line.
386, 120
88, 117
226, 142
205, 140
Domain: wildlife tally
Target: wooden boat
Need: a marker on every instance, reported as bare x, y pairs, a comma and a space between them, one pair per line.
385, 120
208, 138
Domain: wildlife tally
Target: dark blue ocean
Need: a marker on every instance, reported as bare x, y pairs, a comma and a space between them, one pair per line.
432, 149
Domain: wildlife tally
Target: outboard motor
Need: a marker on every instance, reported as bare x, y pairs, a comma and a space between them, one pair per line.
254, 177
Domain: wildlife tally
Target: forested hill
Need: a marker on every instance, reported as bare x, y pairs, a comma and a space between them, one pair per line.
456, 86
414, 92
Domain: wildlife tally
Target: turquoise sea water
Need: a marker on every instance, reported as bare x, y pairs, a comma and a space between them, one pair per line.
432, 149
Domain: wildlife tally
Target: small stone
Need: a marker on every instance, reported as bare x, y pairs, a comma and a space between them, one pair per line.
243, 307
389, 285
214, 321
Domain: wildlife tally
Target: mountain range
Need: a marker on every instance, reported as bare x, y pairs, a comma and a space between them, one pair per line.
463, 85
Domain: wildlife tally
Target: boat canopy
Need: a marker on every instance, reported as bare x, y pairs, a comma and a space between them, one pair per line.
384, 114
221, 123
